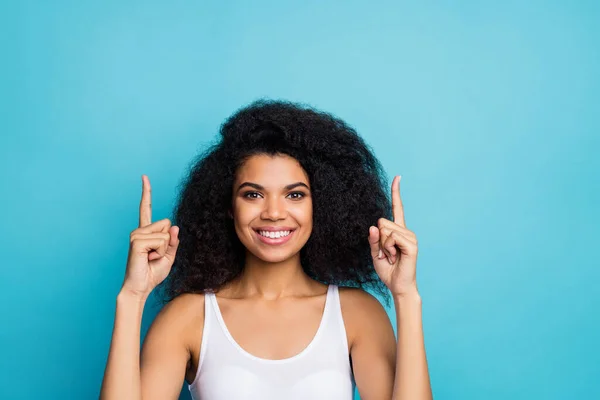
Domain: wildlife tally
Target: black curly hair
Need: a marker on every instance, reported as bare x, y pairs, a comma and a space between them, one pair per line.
348, 193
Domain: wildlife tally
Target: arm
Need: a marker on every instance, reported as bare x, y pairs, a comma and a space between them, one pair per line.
386, 368
394, 249
372, 344
165, 352
412, 376
152, 251
122, 373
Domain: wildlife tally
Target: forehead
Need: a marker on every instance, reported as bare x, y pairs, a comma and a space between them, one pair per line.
271, 170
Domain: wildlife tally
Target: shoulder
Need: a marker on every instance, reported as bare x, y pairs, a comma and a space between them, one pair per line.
168, 349
372, 343
363, 315
358, 297
181, 318
185, 303
183, 308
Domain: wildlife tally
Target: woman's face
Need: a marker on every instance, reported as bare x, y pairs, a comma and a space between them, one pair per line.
272, 207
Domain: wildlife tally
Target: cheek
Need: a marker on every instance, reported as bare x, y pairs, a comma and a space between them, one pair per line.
240, 223
303, 215
244, 213
308, 212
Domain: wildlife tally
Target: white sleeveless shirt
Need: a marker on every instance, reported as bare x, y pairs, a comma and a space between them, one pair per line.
321, 371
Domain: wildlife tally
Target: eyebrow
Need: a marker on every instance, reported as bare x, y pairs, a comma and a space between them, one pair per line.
259, 187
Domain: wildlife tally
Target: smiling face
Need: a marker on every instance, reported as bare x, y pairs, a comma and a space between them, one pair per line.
272, 207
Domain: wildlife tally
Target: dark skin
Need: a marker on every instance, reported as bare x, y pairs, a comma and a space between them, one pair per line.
273, 309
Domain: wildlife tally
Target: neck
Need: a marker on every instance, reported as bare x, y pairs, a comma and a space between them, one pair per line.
272, 280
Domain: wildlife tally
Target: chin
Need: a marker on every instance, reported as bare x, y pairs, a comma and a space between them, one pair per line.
274, 256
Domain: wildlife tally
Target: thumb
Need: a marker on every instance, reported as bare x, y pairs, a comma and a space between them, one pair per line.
374, 242
173, 243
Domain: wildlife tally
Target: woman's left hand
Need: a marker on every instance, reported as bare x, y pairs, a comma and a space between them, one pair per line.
394, 249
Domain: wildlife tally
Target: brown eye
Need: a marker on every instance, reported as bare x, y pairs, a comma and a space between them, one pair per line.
250, 193
298, 193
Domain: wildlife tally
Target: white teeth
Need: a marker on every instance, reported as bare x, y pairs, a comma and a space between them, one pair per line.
274, 235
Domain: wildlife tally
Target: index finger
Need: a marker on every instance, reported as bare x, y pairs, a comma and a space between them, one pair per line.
397, 207
145, 203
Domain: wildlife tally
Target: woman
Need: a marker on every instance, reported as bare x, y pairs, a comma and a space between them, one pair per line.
278, 229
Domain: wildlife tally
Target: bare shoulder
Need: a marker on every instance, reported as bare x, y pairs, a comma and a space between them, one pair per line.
372, 343
171, 346
183, 308
183, 317
363, 314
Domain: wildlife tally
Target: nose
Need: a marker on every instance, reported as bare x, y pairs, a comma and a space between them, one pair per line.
274, 209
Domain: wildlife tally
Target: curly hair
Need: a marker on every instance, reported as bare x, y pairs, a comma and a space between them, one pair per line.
347, 185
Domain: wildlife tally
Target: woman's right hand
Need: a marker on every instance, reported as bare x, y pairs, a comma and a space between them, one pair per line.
152, 249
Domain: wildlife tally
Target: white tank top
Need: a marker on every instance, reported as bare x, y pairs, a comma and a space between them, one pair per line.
321, 371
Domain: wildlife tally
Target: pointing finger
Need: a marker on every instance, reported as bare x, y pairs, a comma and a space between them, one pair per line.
397, 207
145, 203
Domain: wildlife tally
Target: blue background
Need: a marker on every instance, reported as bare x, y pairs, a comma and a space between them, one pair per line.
489, 110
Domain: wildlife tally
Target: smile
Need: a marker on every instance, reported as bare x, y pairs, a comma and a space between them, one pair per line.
274, 238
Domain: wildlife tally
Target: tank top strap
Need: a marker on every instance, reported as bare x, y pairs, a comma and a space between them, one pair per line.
336, 317
206, 331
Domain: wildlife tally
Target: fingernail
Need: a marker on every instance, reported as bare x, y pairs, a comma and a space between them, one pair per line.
380, 254
390, 261
399, 178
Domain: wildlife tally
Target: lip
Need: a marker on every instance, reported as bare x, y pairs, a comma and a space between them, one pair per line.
277, 241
